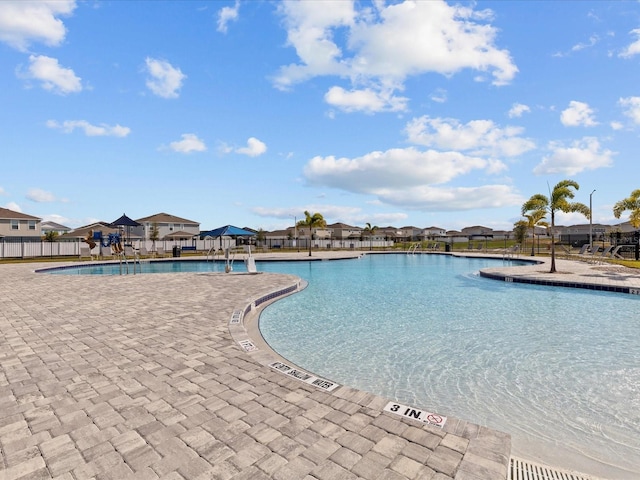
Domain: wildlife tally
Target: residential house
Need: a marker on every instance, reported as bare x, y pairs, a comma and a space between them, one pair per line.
477, 232
432, 233
81, 233
342, 232
578, 235
19, 226
169, 227
48, 226
394, 234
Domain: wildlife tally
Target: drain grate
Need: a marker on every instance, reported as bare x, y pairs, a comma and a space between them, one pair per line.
520, 469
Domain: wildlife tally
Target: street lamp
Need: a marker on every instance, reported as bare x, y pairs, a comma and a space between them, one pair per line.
295, 231
591, 221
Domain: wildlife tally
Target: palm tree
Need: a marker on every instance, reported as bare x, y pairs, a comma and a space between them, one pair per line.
558, 200
631, 203
370, 232
154, 235
535, 219
312, 221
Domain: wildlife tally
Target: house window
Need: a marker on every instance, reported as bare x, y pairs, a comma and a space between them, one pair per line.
32, 224
15, 225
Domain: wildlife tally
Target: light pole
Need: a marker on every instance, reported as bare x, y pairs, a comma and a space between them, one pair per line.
295, 231
591, 220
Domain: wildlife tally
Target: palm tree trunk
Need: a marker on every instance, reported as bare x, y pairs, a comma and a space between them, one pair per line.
533, 243
553, 244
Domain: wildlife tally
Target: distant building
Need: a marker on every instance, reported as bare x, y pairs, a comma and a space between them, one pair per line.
432, 233
47, 227
85, 231
169, 227
343, 232
477, 232
19, 226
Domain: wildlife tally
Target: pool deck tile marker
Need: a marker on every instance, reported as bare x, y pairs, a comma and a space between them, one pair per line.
141, 376
416, 414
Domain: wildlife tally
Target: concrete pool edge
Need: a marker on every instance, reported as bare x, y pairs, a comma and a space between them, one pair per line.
570, 274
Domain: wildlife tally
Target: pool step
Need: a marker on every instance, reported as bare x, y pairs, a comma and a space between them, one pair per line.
520, 469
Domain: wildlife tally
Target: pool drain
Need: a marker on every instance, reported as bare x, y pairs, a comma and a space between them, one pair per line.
520, 469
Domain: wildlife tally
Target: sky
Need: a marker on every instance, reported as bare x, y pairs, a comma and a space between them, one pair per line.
394, 113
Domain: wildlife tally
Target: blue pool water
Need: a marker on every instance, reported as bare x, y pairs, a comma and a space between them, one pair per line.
144, 267
558, 369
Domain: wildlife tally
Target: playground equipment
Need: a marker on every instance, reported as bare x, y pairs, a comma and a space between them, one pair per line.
113, 241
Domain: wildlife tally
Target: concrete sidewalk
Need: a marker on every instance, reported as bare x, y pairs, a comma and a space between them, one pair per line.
157, 376
583, 274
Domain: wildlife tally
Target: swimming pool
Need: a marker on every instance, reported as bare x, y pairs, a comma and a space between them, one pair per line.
146, 267
556, 368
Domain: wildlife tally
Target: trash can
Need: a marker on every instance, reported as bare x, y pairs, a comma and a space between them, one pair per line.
176, 251
447, 247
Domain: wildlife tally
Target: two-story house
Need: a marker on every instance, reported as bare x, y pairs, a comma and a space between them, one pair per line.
19, 226
168, 226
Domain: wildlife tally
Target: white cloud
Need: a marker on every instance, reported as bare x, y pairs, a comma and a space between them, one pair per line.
23, 22
517, 109
439, 96
54, 77
634, 47
593, 40
165, 80
102, 130
632, 108
339, 213
189, 143
226, 15
477, 136
395, 169
581, 155
13, 206
616, 125
40, 196
388, 43
366, 100
427, 198
578, 114
3, 191
254, 148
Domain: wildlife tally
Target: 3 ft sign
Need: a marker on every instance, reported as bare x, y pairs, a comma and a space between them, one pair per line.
415, 414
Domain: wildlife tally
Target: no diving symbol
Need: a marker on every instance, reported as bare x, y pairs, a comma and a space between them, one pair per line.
433, 418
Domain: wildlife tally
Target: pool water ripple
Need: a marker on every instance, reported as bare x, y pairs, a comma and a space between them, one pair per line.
557, 368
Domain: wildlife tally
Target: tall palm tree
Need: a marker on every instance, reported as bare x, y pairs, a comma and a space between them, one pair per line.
312, 221
535, 219
558, 200
370, 232
631, 203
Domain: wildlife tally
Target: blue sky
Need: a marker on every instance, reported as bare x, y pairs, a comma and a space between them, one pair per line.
422, 113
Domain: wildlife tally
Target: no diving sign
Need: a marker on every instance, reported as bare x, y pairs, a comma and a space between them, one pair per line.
415, 414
